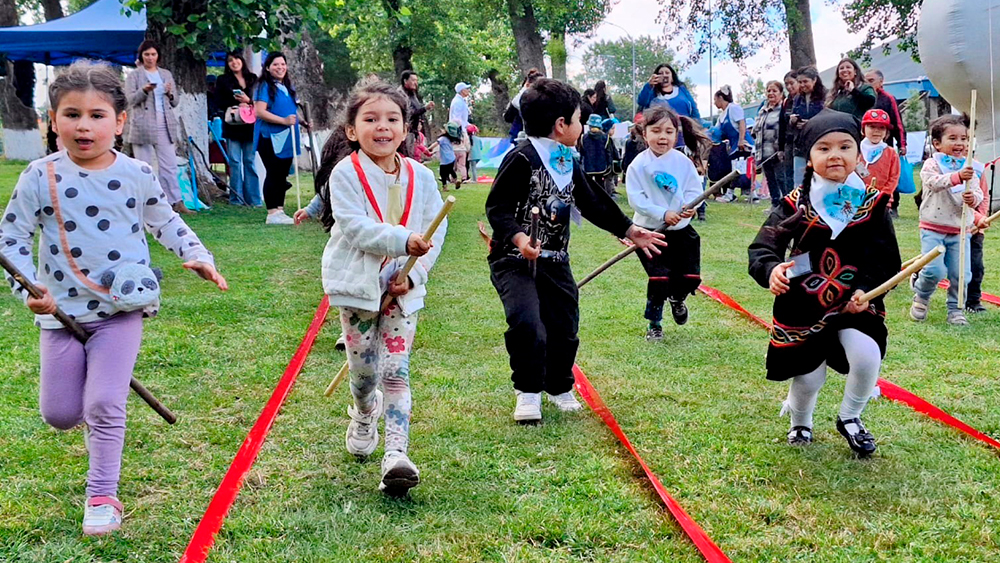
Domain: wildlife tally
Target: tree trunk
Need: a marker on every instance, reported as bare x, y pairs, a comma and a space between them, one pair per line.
192, 111
557, 54
800, 35
402, 53
401, 56
501, 96
306, 69
524, 26
53, 9
21, 138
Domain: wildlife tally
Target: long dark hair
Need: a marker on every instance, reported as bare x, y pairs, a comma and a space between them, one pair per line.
266, 78
818, 91
674, 79
248, 77
838, 85
338, 146
695, 138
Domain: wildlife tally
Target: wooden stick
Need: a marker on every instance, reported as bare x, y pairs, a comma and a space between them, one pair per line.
82, 335
712, 190
535, 213
965, 208
902, 275
387, 300
988, 221
295, 166
911, 260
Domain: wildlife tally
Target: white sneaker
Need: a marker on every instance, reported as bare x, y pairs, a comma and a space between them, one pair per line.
727, 198
565, 402
529, 407
399, 475
362, 432
278, 218
101, 515
341, 343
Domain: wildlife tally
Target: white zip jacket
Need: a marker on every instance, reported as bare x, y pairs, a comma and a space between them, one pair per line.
353, 270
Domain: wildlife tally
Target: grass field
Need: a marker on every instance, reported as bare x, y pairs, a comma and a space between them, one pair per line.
696, 406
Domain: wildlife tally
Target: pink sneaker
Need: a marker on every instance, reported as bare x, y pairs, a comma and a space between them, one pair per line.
101, 515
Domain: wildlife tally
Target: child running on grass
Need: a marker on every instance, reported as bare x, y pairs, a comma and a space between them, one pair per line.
659, 182
541, 303
376, 204
944, 177
91, 203
842, 245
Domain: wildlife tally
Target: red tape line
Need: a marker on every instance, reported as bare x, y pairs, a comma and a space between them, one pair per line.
889, 389
987, 297
204, 535
705, 545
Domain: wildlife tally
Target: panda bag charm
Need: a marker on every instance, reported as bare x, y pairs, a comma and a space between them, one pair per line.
132, 286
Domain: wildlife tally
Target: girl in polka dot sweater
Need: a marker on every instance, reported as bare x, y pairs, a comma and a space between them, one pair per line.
90, 204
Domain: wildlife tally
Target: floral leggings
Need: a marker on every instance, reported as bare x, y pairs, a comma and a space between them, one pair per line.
378, 350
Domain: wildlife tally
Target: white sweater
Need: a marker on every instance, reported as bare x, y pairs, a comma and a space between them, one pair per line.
657, 184
91, 222
353, 270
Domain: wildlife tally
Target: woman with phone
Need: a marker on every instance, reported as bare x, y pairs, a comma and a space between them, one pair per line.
232, 91
808, 102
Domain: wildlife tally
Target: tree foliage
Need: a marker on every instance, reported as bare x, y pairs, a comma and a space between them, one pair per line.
752, 90
611, 61
881, 20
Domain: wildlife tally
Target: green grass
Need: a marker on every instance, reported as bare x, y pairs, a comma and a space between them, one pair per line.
696, 406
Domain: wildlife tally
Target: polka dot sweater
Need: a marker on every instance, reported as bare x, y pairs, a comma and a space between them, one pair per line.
89, 222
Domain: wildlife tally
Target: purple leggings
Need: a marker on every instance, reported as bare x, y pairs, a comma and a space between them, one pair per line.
90, 383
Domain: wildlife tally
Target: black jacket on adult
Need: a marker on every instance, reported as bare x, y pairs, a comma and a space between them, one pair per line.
224, 99
418, 112
897, 136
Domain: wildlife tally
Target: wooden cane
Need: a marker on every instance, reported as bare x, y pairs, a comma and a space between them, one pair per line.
911, 260
904, 274
965, 208
387, 300
712, 190
533, 241
82, 335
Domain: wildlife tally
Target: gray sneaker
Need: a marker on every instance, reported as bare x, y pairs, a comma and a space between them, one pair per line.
362, 432
957, 318
399, 475
918, 310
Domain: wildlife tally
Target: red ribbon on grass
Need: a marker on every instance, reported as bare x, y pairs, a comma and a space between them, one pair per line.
705, 545
204, 535
987, 297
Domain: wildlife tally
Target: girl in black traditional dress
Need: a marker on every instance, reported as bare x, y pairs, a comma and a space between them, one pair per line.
841, 244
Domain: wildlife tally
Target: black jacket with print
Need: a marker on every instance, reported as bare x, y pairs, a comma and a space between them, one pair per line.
522, 183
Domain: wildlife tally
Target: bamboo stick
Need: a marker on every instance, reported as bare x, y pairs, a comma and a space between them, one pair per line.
965, 208
902, 275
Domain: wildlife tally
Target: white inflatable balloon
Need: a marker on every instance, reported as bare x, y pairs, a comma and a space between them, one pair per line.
954, 39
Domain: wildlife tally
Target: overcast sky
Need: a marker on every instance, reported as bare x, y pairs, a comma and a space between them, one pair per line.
638, 16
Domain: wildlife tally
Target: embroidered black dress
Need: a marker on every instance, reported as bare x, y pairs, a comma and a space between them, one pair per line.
808, 316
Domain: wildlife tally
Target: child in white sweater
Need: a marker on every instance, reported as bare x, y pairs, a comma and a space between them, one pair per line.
376, 205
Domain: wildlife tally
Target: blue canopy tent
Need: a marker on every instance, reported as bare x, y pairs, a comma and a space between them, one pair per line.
99, 31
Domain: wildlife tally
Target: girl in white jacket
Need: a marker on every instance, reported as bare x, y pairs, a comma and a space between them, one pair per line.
376, 204
660, 181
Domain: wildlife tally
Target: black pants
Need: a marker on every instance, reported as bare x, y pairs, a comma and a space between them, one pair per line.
675, 273
447, 174
276, 182
975, 289
789, 166
543, 317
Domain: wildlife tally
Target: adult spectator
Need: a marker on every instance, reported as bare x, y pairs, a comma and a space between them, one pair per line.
276, 134
603, 104
665, 88
410, 83
897, 134
587, 104
233, 89
769, 139
884, 101
792, 89
850, 93
152, 126
512, 114
459, 113
808, 102
731, 128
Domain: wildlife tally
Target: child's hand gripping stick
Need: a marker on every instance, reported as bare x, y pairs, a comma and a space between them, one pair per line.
82, 335
387, 300
535, 213
903, 275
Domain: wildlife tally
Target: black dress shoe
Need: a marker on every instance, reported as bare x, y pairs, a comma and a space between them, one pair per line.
800, 436
861, 441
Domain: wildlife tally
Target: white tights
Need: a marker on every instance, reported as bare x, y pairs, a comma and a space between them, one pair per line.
864, 359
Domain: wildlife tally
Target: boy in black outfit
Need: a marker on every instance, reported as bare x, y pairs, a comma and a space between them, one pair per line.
541, 308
